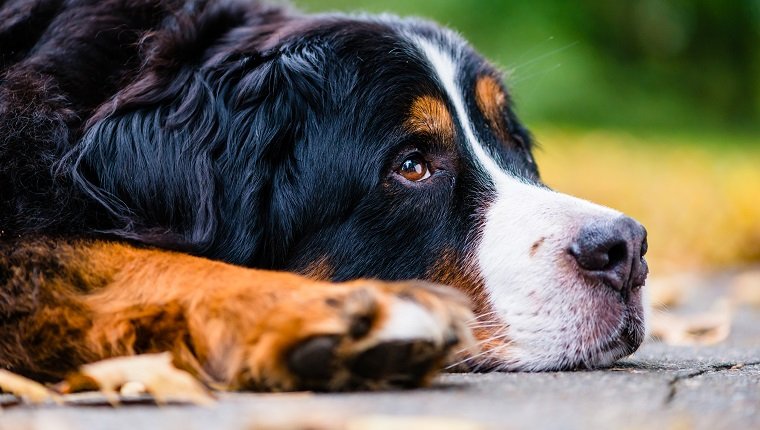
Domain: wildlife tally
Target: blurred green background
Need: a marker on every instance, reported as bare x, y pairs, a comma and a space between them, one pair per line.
652, 107
633, 64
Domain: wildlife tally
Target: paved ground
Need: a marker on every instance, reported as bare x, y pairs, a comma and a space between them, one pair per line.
659, 387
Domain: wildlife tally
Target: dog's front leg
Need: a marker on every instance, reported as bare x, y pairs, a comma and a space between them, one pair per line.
242, 328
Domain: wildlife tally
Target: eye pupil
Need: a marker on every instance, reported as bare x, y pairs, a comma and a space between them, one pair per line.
414, 168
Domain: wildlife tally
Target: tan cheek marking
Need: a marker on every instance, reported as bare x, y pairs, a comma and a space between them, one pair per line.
459, 272
491, 101
429, 115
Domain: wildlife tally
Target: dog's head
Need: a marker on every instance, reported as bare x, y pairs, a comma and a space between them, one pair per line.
347, 147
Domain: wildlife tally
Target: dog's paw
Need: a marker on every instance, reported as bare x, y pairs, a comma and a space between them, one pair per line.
359, 335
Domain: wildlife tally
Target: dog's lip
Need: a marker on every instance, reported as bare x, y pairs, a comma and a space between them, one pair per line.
624, 340
628, 336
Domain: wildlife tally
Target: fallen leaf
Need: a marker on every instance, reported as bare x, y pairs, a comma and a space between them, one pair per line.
25, 388
706, 328
151, 373
382, 422
670, 291
289, 419
745, 288
133, 389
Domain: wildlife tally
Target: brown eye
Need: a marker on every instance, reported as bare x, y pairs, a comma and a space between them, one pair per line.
414, 168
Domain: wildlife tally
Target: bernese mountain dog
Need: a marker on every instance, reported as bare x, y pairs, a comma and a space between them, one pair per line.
286, 201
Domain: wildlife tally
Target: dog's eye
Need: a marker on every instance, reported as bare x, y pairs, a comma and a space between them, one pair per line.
414, 168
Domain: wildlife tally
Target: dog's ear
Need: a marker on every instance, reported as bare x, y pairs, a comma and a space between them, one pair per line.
190, 161
275, 107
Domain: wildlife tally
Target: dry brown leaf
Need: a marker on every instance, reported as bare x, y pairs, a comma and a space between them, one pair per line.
25, 388
745, 288
382, 422
153, 373
706, 328
133, 389
670, 291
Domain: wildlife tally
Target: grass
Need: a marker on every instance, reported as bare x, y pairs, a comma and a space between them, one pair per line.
698, 196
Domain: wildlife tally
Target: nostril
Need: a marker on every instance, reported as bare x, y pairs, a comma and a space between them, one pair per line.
617, 254
644, 247
595, 256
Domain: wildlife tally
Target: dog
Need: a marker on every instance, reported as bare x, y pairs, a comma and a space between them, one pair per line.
287, 201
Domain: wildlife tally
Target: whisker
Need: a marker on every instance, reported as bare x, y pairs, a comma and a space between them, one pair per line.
478, 316
480, 354
534, 75
534, 48
473, 357
486, 325
492, 352
483, 341
542, 56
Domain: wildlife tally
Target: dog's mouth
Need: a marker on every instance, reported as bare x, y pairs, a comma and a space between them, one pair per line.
624, 341
593, 338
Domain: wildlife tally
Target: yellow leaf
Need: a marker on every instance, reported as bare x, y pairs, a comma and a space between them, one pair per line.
670, 291
29, 390
380, 422
706, 328
152, 372
745, 288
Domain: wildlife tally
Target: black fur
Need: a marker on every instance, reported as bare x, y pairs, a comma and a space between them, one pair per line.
232, 130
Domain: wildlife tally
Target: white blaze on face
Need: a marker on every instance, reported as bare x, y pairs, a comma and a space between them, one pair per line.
555, 319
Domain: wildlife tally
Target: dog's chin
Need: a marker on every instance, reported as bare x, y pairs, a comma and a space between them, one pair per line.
610, 329
624, 342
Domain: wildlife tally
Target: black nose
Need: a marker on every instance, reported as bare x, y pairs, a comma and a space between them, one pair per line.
612, 251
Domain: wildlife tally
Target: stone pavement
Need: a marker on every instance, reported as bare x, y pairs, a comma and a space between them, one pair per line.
661, 386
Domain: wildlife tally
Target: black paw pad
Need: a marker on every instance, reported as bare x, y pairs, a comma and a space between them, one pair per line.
395, 361
314, 358
360, 326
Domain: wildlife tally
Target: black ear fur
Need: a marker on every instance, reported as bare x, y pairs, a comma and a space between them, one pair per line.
274, 108
203, 165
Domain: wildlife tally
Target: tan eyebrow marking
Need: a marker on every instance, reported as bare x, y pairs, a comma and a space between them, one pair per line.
491, 101
429, 115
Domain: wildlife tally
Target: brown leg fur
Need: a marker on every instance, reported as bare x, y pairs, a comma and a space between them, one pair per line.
65, 303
